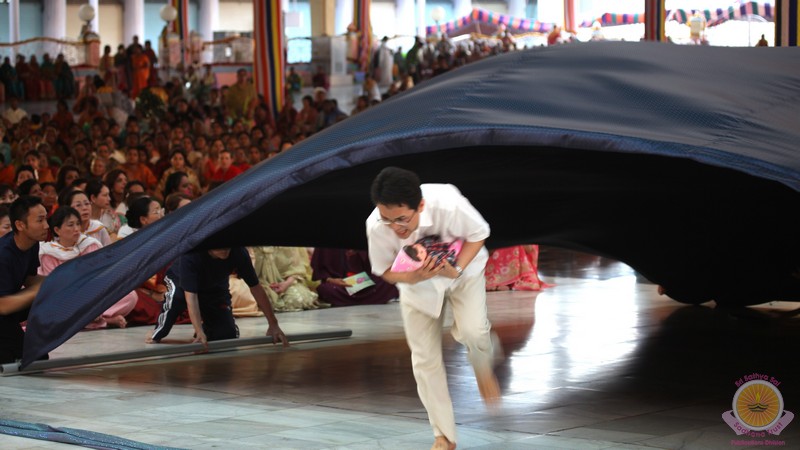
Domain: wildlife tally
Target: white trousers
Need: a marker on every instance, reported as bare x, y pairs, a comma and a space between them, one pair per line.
467, 298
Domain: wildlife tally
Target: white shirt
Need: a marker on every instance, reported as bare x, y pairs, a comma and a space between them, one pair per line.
125, 231
14, 115
447, 213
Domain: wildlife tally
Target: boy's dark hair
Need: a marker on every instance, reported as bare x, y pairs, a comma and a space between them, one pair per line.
396, 186
20, 208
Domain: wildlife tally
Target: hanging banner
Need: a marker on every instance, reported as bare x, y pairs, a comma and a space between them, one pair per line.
268, 61
787, 32
180, 26
569, 16
362, 20
654, 20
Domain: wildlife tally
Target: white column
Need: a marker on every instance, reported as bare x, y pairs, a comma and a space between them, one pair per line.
462, 8
13, 21
133, 21
208, 18
404, 11
96, 21
343, 17
54, 19
551, 12
422, 18
516, 8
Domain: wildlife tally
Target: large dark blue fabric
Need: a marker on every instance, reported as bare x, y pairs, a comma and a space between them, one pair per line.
678, 160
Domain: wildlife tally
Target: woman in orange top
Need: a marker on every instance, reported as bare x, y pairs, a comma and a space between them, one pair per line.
140, 64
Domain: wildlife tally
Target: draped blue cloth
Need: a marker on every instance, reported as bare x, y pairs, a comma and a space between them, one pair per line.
679, 160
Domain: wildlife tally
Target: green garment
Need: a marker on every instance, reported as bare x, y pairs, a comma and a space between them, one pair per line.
238, 100
276, 264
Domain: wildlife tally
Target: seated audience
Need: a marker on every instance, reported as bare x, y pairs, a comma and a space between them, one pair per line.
90, 227
285, 274
101, 207
330, 266
5, 222
514, 268
69, 243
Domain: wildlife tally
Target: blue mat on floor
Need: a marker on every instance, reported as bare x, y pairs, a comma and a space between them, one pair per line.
65, 435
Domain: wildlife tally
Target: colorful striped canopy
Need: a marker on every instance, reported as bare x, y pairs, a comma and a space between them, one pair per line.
514, 25
713, 16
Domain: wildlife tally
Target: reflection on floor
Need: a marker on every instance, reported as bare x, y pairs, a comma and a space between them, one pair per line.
597, 361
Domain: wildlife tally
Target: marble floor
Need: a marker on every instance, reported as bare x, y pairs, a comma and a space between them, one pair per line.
596, 361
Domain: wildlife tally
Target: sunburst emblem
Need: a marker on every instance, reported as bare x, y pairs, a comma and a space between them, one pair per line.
758, 404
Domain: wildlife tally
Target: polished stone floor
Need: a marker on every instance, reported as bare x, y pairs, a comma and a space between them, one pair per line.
597, 361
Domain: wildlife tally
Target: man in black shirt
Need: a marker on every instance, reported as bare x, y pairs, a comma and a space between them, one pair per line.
19, 281
204, 280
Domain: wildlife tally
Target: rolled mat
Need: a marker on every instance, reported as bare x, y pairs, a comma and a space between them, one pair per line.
164, 350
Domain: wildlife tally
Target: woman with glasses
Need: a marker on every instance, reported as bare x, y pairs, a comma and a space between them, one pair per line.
143, 211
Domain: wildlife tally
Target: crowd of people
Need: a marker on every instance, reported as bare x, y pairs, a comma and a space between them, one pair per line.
102, 169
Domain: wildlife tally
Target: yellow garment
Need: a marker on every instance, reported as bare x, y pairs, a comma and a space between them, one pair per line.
277, 264
238, 99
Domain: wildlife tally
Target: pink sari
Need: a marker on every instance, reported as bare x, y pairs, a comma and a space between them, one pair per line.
514, 268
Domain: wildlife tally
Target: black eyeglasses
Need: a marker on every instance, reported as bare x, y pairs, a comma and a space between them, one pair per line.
400, 221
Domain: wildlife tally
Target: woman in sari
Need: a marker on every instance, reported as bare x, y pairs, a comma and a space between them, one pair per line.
140, 71
331, 266
514, 268
69, 243
285, 273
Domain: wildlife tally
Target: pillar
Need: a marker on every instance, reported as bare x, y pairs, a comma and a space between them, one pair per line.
343, 16
422, 18
787, 23
322, 17
404, 11
654, 20
54, 19
463, 8
133, 21
551, 12
516, 8
95, 25
13, 21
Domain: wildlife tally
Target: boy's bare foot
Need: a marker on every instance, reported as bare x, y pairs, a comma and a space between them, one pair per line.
441, 443
117, 321
489, 388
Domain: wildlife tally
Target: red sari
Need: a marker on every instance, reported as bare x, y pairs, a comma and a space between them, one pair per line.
514, 268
